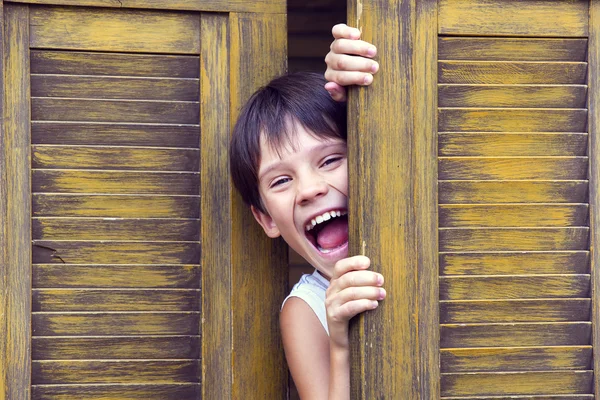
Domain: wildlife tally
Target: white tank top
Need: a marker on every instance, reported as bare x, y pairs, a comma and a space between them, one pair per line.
311, 288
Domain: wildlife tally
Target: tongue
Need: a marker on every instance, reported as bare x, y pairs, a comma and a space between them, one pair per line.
334, 234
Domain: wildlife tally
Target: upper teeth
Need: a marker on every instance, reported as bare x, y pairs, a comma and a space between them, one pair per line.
326, 216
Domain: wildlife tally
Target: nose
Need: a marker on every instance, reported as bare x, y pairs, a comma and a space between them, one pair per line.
311, 186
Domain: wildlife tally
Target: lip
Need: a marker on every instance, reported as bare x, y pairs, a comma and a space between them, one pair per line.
333, 255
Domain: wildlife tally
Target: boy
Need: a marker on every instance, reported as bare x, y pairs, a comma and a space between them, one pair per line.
288, 161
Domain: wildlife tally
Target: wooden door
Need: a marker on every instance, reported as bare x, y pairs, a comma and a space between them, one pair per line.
126, 269
480, 138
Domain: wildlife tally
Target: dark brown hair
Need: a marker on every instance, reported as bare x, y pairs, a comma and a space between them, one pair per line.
299, 97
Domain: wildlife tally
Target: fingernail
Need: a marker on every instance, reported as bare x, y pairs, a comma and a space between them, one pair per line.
368, 79
382, 294
375, 67
374, 304
330, 93
380, 280
371, 51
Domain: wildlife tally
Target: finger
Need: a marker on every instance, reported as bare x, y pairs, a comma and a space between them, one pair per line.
355, 47
350, 264
337, 92
357, 293
344, 62
346, 78
350, 309
354, 279
344, 31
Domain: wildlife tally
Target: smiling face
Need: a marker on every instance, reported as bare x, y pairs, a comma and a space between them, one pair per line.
304, 190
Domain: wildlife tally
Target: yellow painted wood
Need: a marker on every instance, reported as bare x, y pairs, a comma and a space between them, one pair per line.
115, 299
137, 111
116, 392
512, 120
514, 287
513, 215
115, 206
115, 324
517, 191
512, 144
130, 347
516, 334
113, 64
514, 17
509, 383
522, 96
533, 397
115, 182
115, 276
516, 359
105, 29
84, 371
115, 252
512, 49
107, 87
15, 233
499, 311
156, 135
84, 157
511, 263
515, 73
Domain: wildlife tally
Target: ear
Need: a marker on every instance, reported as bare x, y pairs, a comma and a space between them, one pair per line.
266, 222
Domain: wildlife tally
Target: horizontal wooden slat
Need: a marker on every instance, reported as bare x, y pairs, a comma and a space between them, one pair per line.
514, 287
525, 96
121, 392
511, 120
477, 192
111, 324
509, 335
145, 159
99, 87
120, 347
114, 30
513, 239
494, 311
97, 134
115, 182
505, 168
509, 383
513, 215
534, 397
114, 64
512, 263
507, 73
516, 359
512, 49
115, 276
150, 371
116, 229
514, 17
136, 111
512, 144
115, 206
115, 299
49, 252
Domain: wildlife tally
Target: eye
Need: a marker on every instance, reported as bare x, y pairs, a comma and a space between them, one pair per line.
279, 182
331, 160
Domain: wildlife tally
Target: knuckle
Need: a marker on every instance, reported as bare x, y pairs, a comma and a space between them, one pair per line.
341, 64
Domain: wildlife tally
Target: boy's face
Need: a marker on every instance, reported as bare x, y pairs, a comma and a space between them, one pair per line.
307, 187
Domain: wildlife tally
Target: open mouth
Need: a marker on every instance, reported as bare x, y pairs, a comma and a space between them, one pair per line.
329, 231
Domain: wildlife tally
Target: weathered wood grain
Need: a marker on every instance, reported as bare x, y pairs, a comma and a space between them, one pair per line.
104, 252
514, 287
113, 392
514, 18
512, 263
115, 206
122, 371
516, 334
105, 29
135, 111
115, 324
98, 134
524, 96
108, 87
4, 349
512, 49
512, 72
512, 144
115, 347
516, 359
115, 300
115, 276
518, 191
145, 159
114, 64
115, 182
512, 120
